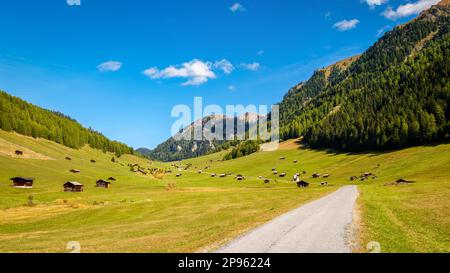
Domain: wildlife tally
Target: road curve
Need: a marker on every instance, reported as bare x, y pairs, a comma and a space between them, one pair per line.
317, 227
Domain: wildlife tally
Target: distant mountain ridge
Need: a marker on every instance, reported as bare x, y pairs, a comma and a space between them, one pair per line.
183, 145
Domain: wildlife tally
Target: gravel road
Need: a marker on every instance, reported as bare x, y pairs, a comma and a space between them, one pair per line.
321, 226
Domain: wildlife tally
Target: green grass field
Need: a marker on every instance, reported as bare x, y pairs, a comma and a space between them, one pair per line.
199, 213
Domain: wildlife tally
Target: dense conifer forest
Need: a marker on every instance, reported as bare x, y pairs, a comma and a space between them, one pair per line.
396, 94
24, 118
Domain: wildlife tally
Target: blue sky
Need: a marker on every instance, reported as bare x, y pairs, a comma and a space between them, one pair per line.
120, 66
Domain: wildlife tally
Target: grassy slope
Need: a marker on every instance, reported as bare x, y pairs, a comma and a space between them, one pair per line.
203, 212
195, 215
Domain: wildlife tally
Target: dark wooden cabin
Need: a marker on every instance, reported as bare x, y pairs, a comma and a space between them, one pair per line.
72, 186
93, 161
75, 171
283, 175
302, 184
103, 184
68, 158
22, 182
316, 175
18, 152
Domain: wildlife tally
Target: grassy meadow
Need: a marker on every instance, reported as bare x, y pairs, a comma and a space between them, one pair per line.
196, 213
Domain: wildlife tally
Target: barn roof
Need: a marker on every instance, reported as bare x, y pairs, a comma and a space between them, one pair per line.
101, 180
73, 183
23, 178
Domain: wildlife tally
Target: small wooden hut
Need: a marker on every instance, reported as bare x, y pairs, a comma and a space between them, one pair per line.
72, 186
22, 182
103, 184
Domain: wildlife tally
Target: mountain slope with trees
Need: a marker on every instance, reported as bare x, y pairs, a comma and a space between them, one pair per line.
26, 119
396, 94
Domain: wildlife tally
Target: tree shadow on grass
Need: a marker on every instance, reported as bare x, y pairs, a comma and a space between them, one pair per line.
370, 153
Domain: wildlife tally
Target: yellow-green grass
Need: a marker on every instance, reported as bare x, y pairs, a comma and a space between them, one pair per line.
138, 214
141, 214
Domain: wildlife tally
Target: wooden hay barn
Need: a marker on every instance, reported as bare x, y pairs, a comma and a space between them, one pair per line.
316, 175
283, 175
103, 184
303, 184
72, 186
93, 161
68, 158
22, 182
75, 171
18, 152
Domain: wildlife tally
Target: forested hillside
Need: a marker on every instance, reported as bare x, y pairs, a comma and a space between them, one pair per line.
396, 94
24, 118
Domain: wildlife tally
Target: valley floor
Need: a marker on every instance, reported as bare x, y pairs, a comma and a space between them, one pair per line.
195, 212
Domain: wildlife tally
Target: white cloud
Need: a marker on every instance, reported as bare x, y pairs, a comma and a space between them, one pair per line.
373, 3
225, 66
237, 7
111, 66
73, 2
345, 25
196, 72
382, 30
251, 66
408, 9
